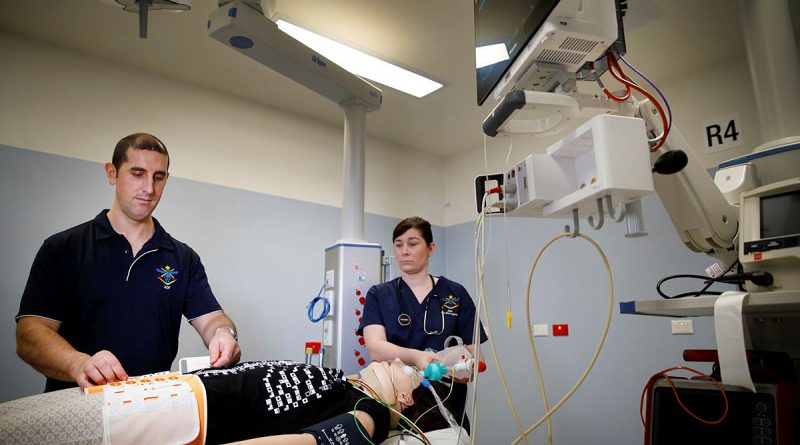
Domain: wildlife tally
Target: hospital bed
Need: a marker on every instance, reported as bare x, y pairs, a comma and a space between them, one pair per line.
72, 417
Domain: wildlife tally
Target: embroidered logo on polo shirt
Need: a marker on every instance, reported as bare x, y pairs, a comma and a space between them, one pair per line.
451, 303
167, 276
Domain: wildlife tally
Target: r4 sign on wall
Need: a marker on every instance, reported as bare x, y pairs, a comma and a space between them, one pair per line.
722, 133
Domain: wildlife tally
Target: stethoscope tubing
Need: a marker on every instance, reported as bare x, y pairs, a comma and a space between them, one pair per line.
404, 319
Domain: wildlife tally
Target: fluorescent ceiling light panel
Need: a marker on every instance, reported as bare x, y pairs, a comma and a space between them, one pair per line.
362, 64
490, 54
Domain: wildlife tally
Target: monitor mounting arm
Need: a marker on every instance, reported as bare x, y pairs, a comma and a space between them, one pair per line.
704, 219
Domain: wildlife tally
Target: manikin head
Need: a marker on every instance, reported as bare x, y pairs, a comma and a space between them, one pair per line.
393, 381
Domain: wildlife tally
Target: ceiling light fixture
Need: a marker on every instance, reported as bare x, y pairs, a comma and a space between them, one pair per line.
363, 64
490, 54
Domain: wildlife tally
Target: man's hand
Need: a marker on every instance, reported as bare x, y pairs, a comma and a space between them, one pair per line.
217, 330
224, 349
99, 369
40, 345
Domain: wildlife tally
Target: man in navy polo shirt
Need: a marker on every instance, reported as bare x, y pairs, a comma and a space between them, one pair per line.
104, 299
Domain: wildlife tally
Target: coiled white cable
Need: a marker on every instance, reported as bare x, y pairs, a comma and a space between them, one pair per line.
600, 344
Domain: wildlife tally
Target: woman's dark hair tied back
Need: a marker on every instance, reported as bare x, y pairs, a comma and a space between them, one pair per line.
414, 222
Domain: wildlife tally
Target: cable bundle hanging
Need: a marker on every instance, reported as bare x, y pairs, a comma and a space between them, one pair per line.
617, 73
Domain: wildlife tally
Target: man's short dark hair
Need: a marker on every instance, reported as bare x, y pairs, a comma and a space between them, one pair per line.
137, 141
414, 222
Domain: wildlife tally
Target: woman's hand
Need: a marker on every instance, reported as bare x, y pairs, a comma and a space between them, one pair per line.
423, 358
463, 379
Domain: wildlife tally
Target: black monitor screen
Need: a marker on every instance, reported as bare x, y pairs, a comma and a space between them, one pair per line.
780, 215
510, 22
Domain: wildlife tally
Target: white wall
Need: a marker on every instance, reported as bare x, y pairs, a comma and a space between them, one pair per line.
63, 102
720, 90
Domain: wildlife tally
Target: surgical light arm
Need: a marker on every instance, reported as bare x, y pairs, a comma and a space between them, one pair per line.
242, 26
238, 25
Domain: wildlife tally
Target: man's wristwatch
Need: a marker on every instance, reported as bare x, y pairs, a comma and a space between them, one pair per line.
229, 329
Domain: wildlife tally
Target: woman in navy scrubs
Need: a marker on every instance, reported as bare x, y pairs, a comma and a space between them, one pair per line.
410, 317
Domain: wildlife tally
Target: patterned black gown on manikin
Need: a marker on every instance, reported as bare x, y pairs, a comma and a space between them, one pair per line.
266, 398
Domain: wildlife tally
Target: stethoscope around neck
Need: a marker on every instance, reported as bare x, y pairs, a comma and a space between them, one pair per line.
405, 320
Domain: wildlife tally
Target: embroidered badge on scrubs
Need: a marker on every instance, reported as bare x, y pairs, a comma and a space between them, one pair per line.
451, 303
167, 276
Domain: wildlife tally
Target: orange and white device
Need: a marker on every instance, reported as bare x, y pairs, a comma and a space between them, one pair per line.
165, 407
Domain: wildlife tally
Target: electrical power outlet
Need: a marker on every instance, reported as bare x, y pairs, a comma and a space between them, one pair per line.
330, 279
484, 183
540, 330
327, 332
680, 327
331, 297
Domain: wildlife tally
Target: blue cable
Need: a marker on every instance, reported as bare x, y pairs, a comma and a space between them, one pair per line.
669, 110
326, 308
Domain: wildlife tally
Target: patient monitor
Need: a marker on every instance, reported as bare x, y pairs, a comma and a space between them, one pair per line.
770, 233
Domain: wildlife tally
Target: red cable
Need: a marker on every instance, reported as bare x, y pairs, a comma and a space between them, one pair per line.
648, 390
498, 189
611, 95
612, 63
